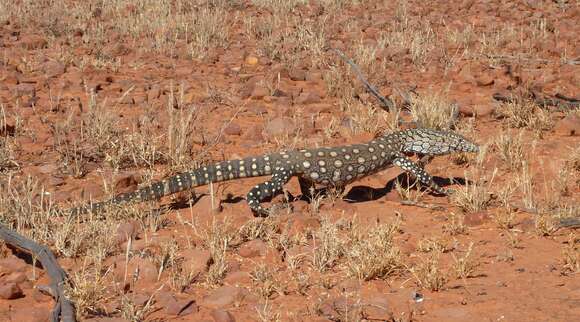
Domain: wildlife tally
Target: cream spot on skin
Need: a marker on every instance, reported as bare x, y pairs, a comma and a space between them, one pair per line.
314, 175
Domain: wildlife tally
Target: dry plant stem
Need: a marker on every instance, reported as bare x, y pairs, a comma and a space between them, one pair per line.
63, 309
560, 101
562, 223
386, 104
509, 57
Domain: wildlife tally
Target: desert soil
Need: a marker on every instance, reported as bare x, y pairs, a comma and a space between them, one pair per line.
102, 97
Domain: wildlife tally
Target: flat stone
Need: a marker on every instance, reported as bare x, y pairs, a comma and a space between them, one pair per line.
568, 126
10, 291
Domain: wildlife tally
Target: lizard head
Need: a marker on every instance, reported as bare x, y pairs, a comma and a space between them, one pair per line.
434, 142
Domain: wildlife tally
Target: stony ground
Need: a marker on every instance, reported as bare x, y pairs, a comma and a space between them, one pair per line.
98, 98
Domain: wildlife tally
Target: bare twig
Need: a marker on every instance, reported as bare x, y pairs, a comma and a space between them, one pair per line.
386, 103
63, 309
540, 60
559, 100
561, 223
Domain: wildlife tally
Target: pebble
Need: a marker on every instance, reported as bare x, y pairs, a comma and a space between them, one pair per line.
127, 230
219, 315
10, 291
196, 260
476, 218
233, 129
279, 126
253, 248
568, 126
222, 297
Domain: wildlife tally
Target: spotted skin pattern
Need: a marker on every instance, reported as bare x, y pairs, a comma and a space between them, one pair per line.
330, 167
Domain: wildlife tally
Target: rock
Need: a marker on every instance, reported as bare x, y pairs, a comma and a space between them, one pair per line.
251, 60
301, 223
115, 49
568, 126
106, 319
222, 316
127, 230
483, 110
154, 93
339, 309
466, 111
259, 91
24, 89
222, 297
278, 127
53, 69
237, 278
180, 307
11, 264
196, 260
147, 270
126, 99
253, 248
32, 42
297, 74
31, 314
127, 182
254, 134
233, 129
258, 109
484, 80
10, 291
205, 203
306, 98
140, 299
377, 308
16, 277
476, 218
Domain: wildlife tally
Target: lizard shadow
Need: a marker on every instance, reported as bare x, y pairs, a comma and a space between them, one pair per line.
364, 193
354, 195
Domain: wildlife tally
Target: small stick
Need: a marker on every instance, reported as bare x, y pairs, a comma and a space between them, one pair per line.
386, 103
63, 309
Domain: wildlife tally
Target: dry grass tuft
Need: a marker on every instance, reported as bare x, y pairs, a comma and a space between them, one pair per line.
523, 113
571, 255
428, 273
464, 267
328, 246
371, 255
432, 110
511, 149
475, 195
265, 282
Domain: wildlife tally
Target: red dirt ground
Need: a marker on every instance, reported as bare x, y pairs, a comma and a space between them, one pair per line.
243, 97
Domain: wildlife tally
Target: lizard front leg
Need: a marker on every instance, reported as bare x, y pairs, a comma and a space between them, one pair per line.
268, 189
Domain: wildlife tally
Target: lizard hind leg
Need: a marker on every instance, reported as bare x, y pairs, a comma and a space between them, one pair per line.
266, 190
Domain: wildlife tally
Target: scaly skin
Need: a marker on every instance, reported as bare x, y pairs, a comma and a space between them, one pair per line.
335, 166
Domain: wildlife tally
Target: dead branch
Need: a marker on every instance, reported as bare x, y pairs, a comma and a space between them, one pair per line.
386, 104
539, 60
63, 309
561, 223
559, 101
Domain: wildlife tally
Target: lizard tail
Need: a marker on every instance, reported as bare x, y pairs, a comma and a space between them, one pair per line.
217, 172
